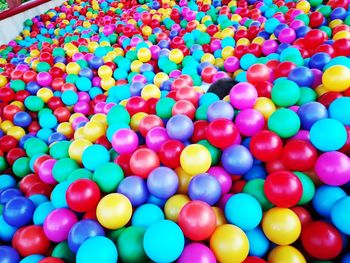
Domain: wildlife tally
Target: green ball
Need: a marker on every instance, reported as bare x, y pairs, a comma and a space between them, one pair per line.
131, 55
108, 176
115, 234
306, 95
303, 17
201, 112
325, 10
34, 146
164, 107
43, 67
130, 245
285, 93
63, 168
3, 164
284, 122
169, 67
59, 150
308, 188
62, 251
21, 167
72, 78
315, 3
204, 38
215, 153
34, 103
17, 85
80, 173
118, 114
255, 188
327, 30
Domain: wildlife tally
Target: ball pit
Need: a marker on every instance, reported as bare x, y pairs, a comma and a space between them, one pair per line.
112, 150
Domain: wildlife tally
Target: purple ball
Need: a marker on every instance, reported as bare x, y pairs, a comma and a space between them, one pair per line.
197, 252
180, 127
223, 177
237, 159
220, 109
162, 182
206, 188
135, 189
156, 137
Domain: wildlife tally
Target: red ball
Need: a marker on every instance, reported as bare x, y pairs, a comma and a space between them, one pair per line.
136, 104
200, 131
184, 107
39, 161
314, 38
283, 69
7, 142
197, 220
169, 153
252, 259
327, 98
51, 260
22, 95
28, 181
62, 114
283, 189
222, 133
189, 94
123, 160
149, 122
342, 47
208, 74
316, 19
143, 161
264, 89
303, 214
31, 240
14, 154
83, 195
258, 73
321, 240
179, 83
299, 155
266, 146
40, 188
9, 111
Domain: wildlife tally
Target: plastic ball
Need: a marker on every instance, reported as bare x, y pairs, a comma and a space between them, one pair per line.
143, 161
125, 141
114, 211
336, 78
9, 255
135, 189
174, 205
338, 110
237, 159
285, 93
222, 133
164, 241
99, 249
144, 54
249, 122
146, 215
259, 244
169, 153
18, 211
204, 187
286, 254
266, 145
258, 73
339, 213
284, 122
180, 127
243, 96
195, 159
95, 156
162, 182
228, 243
197, 252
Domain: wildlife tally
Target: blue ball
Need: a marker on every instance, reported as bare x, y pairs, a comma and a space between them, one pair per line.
325, 197
205, 187
22, 119
220, 109
8, 194
97, 249
19, 211
8, 255
156, 201
163, 241
32, 259
244, 211
340, 110
146, 215
328, 135
58, 195
180, 127
6, 231
6, 181
135, 189
41, 212
346, 258
319, 60
94, 156
256, 172
82, 231
237, 159
311, 112
302, 76
258, 243
162, 182
340, 214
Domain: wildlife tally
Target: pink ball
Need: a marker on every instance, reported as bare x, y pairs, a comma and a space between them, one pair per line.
44, 79
96, 82
269, 46
220, 75
156, 137
243, 96
175, 74
287, 35
82, 107
197, 252
99, 107
249, 122
155, 51
108, 106
215, 45
58, 224
139, 78
83, 96
231, 64
45, 171
333, 168
125, 141
223, 177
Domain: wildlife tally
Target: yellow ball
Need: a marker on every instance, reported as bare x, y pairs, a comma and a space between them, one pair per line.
195, 159
79, 133
66, 129
303, 6
201, 28
336, 78
107, 83
99, 117
265, 106
61, 66
45, 94
92, 46
229, 244
35, 53
258, 40
76, 149
207, 57
6, 125
94, 130
19, 104
219, 62
135, 120
73, 68
184, 180
114, 211
3, 81
16, 132
144, 54
227, 32
146, 31
243, 42
227, 52
159, 78
335, 23
74, 116
135, 66
281, 226
341, 35
174, 205
150, 91
320, 90
220, 216
176, 56
105, 72
285, 254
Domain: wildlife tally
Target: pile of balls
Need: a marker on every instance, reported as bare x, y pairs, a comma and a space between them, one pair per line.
111, 149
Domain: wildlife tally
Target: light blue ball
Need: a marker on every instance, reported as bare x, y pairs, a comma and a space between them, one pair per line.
41, 212
6, 231
58, 195
244, 211
83, 84
146, 215
258, 243
325, 197
340, 110
164, 241
247, 60
38, 199
32, 259
97, 249
94, 156
340, 215
6, 181
69, 97
328, 135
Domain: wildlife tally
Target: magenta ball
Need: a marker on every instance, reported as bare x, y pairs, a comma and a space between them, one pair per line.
125, 141
231, 64
197, 252
223, 177
45, 171
44, 78
249, 122
269, 46
333, 168
58, 224
220, 75
156, 137
287, 35
243, 96
82, 107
